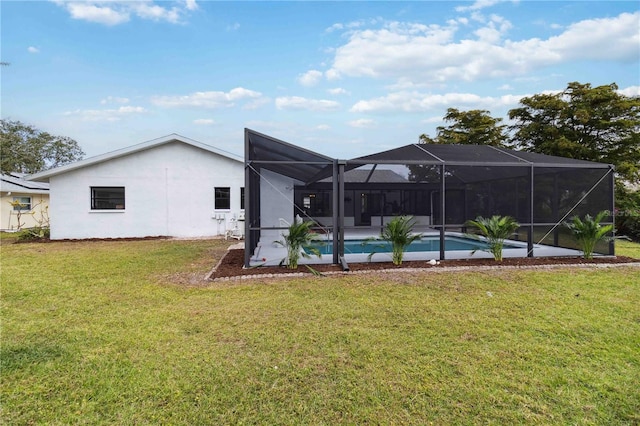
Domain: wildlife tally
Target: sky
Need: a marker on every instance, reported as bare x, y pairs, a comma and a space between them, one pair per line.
344, 79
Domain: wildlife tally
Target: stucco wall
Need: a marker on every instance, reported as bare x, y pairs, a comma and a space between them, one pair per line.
276, 202
28, 219
169, 191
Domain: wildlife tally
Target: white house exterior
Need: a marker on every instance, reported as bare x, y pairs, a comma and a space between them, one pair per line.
171, 186
23, 204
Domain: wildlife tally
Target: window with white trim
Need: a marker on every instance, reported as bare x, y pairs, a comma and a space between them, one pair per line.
21, 203
107, 198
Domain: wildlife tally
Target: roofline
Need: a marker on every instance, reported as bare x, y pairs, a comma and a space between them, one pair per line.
45, 175
517, 161
15, 182
23, 185
25, 191
249, 132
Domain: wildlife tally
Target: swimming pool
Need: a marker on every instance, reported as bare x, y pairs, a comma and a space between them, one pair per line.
429, 243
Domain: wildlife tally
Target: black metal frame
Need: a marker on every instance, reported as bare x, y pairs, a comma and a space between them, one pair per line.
460, 168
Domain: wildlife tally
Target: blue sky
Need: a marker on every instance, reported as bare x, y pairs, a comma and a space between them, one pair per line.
341, 78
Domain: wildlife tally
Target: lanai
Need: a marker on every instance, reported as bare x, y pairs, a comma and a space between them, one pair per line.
443, 185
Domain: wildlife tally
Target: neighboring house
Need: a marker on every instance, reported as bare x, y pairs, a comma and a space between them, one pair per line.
170, 186
23, 204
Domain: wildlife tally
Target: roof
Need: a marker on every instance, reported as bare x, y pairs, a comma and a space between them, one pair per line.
467, 163
469, 155
266, 152
45, 175
15, 182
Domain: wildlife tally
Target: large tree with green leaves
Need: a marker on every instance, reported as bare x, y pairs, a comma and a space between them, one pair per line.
582, 122
474, 127
25, 149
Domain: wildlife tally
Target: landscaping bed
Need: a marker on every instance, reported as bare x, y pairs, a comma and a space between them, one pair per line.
231, 265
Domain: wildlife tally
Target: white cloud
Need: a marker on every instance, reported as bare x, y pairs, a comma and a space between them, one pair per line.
335, 27
114, 100
424, 54
323, 127
115, 12
33, 49
310, 78
362, 123
105, 114
615, 39
505, 87
351, 25
412, 102
191, 4
630, 91
204, 121
495, 29
107, 15
233, 27
479, 4
299, 103
211, 99
338, 91
153, 12
332, 74
257, 103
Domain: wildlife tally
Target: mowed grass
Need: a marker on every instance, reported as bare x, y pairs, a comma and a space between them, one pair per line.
127, 333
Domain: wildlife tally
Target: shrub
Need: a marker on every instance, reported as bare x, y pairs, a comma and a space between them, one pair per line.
495, 230
38, 233
589, 232
298, 238
399, 233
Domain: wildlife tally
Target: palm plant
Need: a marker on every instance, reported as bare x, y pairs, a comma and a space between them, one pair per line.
299, 237
588, 232
495, 230
399, 233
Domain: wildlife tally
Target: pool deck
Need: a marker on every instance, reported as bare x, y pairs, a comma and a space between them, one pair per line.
269, 253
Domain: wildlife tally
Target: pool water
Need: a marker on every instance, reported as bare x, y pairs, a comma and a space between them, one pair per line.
423, 244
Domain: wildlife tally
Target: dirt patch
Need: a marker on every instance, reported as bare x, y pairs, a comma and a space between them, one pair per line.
231, 265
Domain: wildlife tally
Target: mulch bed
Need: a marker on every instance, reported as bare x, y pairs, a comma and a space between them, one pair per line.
231, 265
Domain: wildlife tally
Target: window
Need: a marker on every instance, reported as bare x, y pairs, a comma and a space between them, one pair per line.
107, 198
242, 198
223, 198
21, 203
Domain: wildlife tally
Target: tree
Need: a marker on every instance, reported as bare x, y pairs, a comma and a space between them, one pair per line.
475, 127
582, 122
25, 149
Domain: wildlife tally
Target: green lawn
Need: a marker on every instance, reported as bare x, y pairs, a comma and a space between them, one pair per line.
127, 333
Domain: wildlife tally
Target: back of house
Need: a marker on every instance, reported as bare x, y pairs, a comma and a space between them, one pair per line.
171, 186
